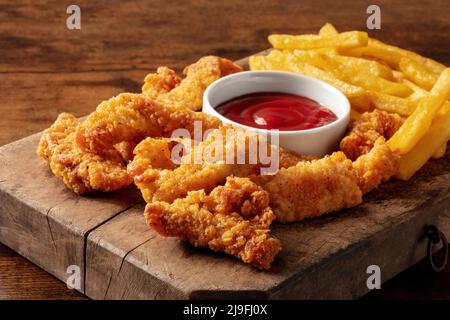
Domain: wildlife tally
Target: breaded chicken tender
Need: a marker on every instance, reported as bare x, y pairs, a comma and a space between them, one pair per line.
160, 83
132, 117
167, 184
234, 218
313, 188
160, 179
81, 171
167, 103
363, 132
108, 137
188, 93
204, 166
379, 165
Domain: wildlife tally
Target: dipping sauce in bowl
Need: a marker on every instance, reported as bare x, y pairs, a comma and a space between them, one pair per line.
276, 110
310, 116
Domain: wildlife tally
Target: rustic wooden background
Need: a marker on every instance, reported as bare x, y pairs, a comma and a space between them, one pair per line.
46, 69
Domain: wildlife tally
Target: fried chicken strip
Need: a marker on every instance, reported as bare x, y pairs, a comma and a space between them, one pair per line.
166, 104
376, 166
234, 218
160, 83
320, 186
363, 132
312, 188
81, 171
374, 162
303, 187
167, 184
188, 93
202, 167
133, 117
111, 133
160, 179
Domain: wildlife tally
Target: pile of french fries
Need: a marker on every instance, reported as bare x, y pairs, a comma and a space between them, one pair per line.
375, 75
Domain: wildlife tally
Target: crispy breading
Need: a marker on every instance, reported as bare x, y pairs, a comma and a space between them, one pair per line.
133, 117
363, 132
166, 104
313, 188
204, 166
118, 125
234, 218
158, 178
376, 166
161, 82
199, 75
290, 158
81, 171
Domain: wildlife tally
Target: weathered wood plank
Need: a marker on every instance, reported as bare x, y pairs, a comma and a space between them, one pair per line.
321, 258
41, 219
124, 259
35, 45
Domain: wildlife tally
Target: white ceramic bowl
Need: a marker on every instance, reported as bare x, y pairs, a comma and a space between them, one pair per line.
317, 141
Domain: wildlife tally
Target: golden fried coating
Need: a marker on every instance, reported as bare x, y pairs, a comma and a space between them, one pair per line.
156, 175
110, 134
313, 188
159, 179
81, 171
290, 158
166, 104
234, 218
189, 93
363, 132
205, 166
132, 117
379, 165
161, 82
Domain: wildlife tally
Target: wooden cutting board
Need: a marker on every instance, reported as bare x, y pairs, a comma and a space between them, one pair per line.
120, 258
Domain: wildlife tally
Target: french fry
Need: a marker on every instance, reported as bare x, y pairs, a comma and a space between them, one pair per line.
413, 99
416, 87
314, 58
286, 61
328, 30
351, 39
350, 71
392, 104
417, 73
331, 62
374, 83
418, 93
419, 122
369, 66
433, 139
398, 76
354, 71
360, 103
326, 50
392, 55
257, 63
440, 152
289, 62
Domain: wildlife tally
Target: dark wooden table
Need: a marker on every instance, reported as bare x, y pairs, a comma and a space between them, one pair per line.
46, 69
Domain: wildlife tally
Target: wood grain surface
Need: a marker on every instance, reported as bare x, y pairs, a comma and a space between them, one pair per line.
321, 258
46, 69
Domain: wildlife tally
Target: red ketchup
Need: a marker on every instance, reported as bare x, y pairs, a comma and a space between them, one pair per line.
275, 110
